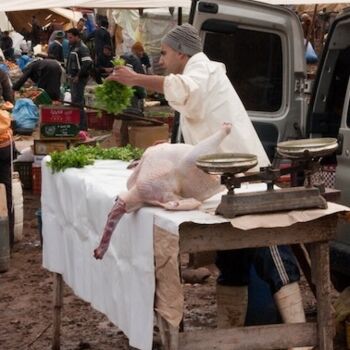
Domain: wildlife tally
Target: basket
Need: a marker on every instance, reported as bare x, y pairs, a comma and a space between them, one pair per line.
25, 173
325, 175
96, 122
36, 170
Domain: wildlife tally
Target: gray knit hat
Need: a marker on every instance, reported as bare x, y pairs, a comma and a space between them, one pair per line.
184, 39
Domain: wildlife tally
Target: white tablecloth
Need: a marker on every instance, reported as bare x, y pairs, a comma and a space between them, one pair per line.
75, 205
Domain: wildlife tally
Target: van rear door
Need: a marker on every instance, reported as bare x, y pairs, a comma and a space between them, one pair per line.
329, 112
262, 48
329, 115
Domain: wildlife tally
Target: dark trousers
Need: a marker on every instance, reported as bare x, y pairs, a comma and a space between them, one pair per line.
276, 265
77, 96
6, 179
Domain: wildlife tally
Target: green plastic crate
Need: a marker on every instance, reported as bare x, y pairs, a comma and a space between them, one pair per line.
43, 99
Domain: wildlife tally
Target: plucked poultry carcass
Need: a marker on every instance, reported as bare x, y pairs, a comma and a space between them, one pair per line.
166, 176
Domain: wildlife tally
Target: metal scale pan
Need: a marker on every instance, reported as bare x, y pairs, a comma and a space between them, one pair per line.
223, 163
228, 165
307, 148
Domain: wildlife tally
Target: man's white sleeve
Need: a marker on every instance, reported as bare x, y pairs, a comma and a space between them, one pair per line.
183, 94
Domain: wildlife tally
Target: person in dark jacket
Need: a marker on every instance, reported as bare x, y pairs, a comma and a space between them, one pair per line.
7, 151
45, 73
102, 38
56, 48
35, 33
6, 93
139, 92
138, 50
6, 45
104, 65
79, 66
82, 29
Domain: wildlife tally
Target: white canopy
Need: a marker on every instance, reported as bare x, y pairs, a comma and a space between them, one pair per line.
134, 3
303, 2
19, 5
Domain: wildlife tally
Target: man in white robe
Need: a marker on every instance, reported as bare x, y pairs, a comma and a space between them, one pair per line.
201, 92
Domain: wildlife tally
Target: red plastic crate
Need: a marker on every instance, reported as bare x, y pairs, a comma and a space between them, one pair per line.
96, 122
59, 115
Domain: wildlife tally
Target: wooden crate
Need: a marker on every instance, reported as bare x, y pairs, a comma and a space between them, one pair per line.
43, 147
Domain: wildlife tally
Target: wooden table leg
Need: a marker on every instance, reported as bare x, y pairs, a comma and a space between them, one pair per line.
57, 307
301, 255
320, 273
168, 334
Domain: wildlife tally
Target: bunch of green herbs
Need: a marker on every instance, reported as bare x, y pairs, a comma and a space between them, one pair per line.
80, 156
112, 96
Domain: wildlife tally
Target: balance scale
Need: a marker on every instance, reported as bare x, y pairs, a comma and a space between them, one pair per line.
305, 155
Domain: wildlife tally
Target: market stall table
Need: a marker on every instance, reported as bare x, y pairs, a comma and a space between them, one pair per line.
129, 283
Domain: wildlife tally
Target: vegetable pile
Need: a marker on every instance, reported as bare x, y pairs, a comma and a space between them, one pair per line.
112, 96
80, 156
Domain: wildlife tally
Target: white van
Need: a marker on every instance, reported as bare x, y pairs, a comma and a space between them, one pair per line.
263, 49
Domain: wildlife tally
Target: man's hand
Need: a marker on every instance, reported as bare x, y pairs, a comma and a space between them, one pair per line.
123, 75
75, 80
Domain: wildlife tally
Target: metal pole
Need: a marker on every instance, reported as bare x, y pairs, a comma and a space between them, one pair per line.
179, 16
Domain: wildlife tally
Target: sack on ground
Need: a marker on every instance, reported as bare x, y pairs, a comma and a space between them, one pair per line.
25, 114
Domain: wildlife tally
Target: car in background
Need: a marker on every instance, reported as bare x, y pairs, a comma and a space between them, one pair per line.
263, 49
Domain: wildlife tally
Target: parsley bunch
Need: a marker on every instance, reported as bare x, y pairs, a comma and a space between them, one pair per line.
112, 96
80, 156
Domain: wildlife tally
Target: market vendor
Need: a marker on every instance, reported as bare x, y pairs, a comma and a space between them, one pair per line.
201, 92
45, 73
56, 47
7, 148
6, 45
79, 67
104, 65
6, 93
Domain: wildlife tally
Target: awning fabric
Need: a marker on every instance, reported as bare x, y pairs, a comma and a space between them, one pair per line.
20, 5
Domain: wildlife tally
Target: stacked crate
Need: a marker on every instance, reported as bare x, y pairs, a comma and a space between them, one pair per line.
59, 126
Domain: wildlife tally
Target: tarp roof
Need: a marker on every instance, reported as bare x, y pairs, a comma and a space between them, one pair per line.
5, 24
19, 5
55, 16
303, 2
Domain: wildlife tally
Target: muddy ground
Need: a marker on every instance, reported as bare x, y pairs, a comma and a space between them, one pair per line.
26, 293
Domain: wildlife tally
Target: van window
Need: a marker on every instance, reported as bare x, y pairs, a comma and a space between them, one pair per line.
253, 61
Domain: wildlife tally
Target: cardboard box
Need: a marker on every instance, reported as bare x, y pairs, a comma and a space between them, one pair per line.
143, 136
59, 115
43, 147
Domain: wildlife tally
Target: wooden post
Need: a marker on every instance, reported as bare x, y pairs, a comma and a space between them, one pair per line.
57, 307
4, 232
320, 273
